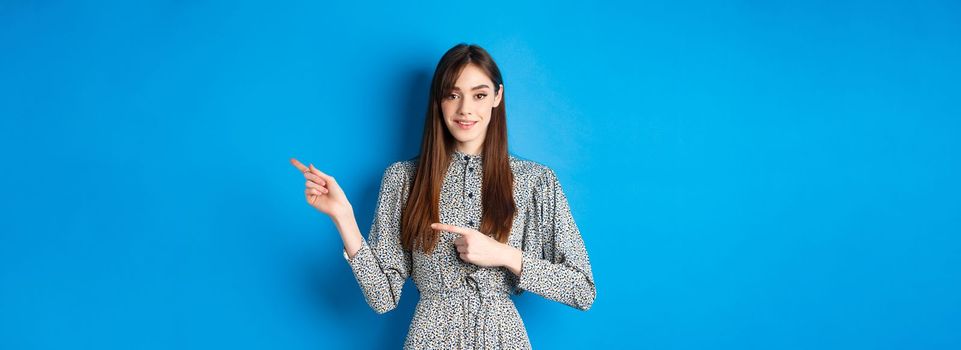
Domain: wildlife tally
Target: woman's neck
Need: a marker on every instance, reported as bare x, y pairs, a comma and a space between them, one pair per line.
467, 147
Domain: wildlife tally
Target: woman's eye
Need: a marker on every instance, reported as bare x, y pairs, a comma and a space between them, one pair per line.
480, 96
451, 96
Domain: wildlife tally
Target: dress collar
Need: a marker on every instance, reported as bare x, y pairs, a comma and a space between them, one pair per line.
459, 156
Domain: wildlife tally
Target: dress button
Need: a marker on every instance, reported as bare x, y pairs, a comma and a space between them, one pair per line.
470, 194
466, 158
470, 223
470, 169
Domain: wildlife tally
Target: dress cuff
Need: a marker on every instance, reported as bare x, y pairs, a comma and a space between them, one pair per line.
362, 254
534, 270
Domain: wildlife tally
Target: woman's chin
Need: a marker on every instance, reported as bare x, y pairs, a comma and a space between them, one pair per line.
461, 135
464, 135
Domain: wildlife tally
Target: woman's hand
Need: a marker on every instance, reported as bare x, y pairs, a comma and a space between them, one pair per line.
323, 193
482, 250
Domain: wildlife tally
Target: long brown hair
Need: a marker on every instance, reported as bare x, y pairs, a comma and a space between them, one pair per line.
497, 200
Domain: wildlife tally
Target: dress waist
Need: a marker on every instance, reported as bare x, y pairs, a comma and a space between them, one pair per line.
448, 293
472, 313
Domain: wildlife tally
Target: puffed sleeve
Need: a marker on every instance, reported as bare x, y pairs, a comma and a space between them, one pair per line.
554, 262
381, 266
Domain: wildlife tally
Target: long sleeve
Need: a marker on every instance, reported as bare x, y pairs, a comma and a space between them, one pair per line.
554, 262
381, 266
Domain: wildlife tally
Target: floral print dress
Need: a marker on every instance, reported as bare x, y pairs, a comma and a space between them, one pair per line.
462, 305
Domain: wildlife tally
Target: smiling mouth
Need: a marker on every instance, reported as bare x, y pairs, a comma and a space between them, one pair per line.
463, 124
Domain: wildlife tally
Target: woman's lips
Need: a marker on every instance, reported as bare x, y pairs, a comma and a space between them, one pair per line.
465, 124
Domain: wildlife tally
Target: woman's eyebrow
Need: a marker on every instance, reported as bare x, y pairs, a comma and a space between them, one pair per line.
481, 86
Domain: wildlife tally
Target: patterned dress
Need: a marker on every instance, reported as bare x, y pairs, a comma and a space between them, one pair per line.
462, 305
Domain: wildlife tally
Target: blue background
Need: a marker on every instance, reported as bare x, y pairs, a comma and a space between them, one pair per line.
746, 174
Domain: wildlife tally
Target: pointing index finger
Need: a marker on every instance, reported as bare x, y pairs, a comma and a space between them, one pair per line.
300, 166
449, 228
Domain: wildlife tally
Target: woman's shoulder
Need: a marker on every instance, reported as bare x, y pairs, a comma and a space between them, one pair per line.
527, 168
401, 170
403, 165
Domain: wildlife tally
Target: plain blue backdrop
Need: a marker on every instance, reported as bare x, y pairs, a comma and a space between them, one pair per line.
746, 174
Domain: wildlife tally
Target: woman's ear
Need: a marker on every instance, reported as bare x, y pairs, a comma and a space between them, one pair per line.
499, 96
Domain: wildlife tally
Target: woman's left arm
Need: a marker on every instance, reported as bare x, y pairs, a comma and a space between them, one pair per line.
554, 262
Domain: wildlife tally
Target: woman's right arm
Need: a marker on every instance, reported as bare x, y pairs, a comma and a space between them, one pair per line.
349, 233
379, 263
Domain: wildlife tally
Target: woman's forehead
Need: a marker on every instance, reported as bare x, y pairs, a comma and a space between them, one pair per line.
471, 77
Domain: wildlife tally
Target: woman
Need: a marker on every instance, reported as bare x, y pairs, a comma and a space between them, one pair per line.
469, 222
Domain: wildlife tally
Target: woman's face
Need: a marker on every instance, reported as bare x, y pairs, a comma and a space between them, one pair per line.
467, 108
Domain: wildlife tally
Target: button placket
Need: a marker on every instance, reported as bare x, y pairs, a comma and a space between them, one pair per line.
467, 166
470, 180
469, 200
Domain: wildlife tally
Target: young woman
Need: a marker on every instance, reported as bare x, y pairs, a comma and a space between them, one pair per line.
471, 223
